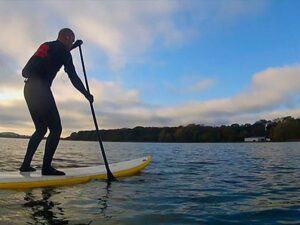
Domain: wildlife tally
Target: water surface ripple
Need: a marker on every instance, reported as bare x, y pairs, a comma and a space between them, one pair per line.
244, 183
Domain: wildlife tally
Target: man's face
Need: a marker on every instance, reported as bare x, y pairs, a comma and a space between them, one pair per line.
69, 40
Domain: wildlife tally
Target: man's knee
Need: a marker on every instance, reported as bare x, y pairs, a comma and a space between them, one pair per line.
56, 129
41, 130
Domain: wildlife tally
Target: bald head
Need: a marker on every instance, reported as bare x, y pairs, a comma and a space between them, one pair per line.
67, 37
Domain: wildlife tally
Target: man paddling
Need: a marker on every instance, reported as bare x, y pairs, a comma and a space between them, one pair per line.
40, 72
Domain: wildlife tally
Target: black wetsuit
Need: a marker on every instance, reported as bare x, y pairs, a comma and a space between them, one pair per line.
40, 72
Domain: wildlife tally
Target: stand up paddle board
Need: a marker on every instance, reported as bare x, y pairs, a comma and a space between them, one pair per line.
22, 180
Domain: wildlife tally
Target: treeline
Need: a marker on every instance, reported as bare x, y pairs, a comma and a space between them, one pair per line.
12, 135
282, 129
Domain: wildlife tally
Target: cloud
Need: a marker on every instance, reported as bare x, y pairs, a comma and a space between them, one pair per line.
111, 100
123, 32
105, 92
21, 31
270, 89
189, 85
123, 29
201, 85
268, 96
126, 29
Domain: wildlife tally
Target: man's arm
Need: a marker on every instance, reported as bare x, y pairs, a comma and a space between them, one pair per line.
76, 81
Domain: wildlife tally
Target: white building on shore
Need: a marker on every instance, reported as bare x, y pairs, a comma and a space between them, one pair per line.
255, 139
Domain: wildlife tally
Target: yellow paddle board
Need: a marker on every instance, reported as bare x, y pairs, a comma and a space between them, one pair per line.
19, 180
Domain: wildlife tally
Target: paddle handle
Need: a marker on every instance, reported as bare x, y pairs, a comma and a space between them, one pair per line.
110, 176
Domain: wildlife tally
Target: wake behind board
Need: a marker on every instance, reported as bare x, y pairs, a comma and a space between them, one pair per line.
18, 180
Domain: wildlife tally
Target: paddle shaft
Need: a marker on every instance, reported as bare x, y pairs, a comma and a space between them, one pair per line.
110, 176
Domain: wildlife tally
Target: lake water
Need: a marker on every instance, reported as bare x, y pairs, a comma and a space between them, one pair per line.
243, 183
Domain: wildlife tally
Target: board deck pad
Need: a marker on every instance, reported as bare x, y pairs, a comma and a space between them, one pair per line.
23, 180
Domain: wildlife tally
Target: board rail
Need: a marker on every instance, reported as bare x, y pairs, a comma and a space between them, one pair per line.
25, 180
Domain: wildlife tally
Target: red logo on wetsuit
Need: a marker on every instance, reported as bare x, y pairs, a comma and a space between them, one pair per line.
42, 51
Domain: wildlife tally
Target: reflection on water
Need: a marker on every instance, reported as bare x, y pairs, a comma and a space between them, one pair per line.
46, 209
103, 201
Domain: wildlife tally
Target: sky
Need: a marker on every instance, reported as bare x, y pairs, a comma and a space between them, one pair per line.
158, 62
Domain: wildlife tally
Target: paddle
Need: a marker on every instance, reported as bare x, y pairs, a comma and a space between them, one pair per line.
110, 176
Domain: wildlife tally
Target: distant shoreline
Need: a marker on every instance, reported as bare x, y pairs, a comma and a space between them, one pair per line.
65, 139
13, 135
285, 129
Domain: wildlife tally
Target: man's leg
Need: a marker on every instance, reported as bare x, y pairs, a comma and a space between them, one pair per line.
32, 95
51, 145
33, 144
55, 129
